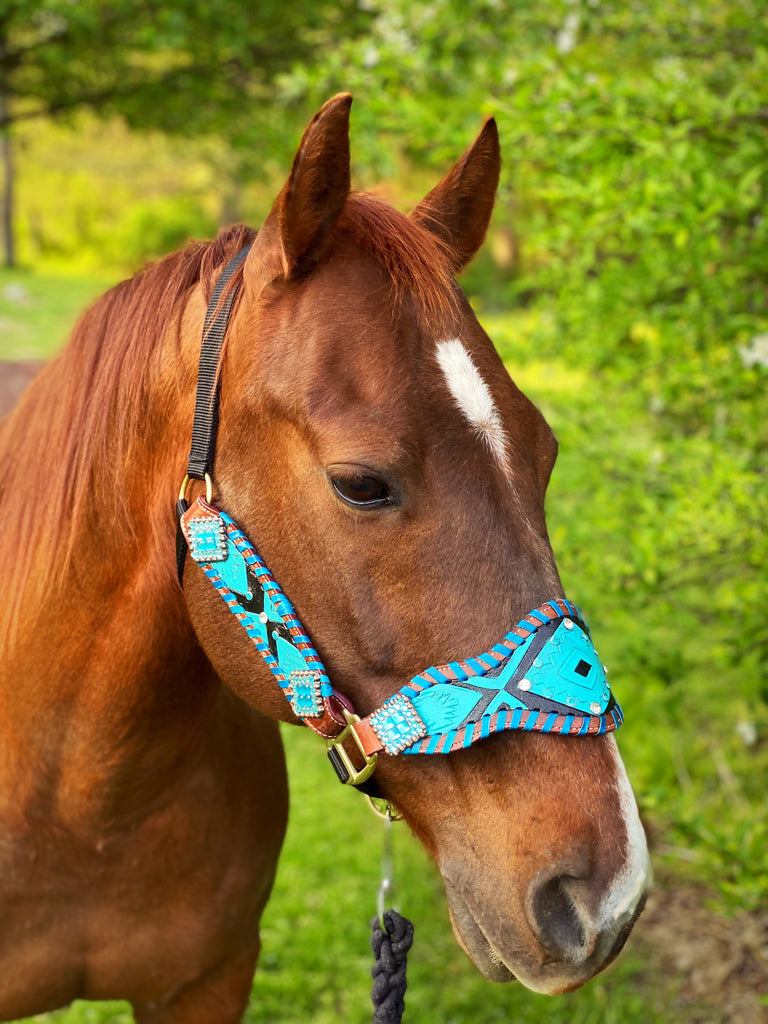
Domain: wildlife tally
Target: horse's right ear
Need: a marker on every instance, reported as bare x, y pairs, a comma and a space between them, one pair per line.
291, 239
459, 208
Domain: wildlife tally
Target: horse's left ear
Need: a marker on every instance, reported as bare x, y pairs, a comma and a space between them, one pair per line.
458, 210
291, 240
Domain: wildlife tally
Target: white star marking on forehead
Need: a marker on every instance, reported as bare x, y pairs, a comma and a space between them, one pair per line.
473, 397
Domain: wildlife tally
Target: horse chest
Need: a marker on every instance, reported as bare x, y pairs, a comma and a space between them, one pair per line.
140, 911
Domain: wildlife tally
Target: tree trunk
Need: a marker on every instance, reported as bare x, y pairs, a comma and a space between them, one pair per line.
7, 161
6, 158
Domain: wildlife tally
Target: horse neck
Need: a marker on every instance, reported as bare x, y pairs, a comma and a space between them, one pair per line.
101, 679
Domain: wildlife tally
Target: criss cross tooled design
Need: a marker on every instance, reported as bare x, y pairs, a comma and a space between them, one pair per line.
544, 675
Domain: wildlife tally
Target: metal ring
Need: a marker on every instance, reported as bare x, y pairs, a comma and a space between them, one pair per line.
389, 813
186, 482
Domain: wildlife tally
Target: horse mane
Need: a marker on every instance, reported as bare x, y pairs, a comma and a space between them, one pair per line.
62, 448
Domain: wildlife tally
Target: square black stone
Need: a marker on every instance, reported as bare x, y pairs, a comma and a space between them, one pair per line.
583, 668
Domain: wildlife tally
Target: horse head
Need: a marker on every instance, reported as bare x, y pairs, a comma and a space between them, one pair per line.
392, 476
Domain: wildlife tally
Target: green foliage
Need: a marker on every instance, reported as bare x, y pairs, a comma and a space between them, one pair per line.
183, 66
129, 199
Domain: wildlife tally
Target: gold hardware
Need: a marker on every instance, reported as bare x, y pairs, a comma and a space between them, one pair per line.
389, 813
185, 485
337, 744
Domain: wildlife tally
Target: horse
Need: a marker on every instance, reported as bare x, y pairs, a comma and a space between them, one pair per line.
371, 445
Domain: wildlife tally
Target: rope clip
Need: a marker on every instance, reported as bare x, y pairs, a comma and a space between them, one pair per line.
385, 898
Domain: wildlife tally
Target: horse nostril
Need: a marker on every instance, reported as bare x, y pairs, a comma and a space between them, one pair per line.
557, 919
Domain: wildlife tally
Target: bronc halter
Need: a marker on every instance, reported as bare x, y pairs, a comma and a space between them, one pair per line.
544, 675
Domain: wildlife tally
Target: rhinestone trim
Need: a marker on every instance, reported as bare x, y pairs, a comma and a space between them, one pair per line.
305, 693
397, 724
207, 539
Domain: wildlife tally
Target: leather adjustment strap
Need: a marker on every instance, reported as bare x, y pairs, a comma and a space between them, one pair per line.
367, 739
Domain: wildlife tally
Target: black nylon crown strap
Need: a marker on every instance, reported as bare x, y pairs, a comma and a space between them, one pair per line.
206, 419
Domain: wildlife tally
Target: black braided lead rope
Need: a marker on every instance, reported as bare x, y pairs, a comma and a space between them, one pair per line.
390, 948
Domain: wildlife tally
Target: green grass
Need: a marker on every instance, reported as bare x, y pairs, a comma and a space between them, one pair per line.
38, 309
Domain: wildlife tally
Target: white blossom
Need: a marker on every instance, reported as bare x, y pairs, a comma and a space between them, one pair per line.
756, 352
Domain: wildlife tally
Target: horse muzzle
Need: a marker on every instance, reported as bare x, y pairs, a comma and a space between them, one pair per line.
555, 946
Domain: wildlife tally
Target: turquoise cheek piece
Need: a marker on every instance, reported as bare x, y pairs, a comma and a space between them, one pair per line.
298, 678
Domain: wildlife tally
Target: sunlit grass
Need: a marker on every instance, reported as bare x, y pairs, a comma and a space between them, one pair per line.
39, 308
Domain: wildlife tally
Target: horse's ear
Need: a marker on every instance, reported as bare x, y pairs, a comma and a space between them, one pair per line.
458, 210
291, 239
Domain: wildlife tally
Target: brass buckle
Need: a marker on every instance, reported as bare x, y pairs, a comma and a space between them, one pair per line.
340, 759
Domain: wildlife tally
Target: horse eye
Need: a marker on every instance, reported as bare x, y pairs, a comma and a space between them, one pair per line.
362, 491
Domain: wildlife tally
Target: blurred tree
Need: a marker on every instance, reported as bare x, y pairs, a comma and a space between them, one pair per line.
179, 66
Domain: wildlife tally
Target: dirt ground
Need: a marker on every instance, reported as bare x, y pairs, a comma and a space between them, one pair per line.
716, 967
14, 377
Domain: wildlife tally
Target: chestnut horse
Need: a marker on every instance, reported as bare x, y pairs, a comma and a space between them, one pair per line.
373, 446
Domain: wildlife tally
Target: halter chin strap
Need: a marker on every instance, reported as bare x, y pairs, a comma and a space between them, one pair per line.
544, 675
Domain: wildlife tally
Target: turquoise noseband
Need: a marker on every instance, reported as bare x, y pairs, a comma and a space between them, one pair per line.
543, 676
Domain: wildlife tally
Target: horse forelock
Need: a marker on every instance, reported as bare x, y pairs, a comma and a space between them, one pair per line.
417, 263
